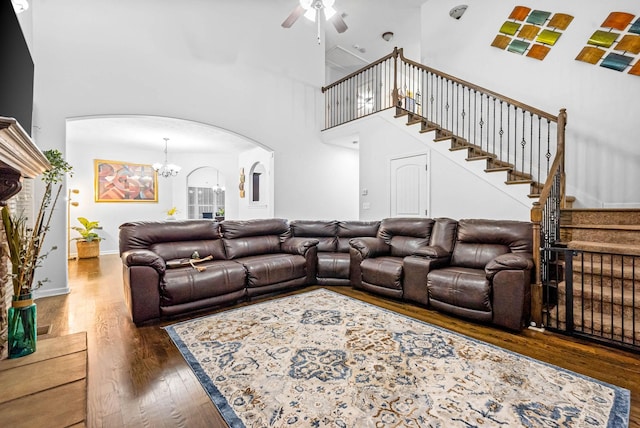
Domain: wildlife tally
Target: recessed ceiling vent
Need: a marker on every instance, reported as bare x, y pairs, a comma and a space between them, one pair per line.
342, 58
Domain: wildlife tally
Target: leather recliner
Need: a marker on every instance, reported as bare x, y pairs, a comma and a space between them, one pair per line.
377, 263
488, 278
333, 245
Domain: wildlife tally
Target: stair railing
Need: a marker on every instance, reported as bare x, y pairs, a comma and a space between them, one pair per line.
545, 216
526, 142
369, 90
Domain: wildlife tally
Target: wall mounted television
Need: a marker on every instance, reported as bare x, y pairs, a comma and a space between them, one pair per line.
16, 69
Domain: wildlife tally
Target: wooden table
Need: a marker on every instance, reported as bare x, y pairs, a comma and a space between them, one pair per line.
47, 388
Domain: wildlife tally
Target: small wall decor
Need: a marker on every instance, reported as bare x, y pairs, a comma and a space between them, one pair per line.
615, 50
531, 32
241, 185
117, 181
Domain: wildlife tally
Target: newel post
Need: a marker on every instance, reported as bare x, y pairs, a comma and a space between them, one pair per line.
536, 287
562, 124
394, 94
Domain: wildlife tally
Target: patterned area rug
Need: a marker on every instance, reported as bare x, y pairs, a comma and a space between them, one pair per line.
321, 359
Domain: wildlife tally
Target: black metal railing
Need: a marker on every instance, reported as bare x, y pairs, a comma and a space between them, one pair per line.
594, 295
367, 91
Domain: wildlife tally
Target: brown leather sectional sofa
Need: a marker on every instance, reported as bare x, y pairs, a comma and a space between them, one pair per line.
477, 269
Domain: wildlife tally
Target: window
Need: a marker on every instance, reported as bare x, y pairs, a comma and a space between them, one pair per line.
258, 183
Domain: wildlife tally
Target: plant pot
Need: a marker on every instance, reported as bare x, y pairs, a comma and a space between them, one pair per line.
88, 249
23, 329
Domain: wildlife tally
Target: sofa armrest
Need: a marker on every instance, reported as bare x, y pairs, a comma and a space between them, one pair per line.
370, 247
416, 269
298, 245
308, 248
144, 258
432, 252
509, 261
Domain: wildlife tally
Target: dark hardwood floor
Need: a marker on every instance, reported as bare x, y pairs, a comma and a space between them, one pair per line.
138, 378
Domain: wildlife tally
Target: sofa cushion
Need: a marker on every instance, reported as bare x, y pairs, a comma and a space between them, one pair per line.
232, 229
251, 246
186, 284
185, 249
402, 246
333, 265
324, 231
271, 269
383, 271
143, 234
462, 287
354, 229
404, 235
476, 255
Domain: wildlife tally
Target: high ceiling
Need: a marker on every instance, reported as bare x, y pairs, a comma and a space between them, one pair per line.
361, 44
368, 20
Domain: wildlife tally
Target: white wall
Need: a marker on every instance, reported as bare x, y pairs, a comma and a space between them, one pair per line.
602, 153
246, 208
194, 60
454, 191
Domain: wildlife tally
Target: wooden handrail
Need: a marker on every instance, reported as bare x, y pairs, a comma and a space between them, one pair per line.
511, 101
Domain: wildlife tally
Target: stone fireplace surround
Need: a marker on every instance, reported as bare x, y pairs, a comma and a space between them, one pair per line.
19, 158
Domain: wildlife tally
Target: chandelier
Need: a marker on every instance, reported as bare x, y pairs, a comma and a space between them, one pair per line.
166, 169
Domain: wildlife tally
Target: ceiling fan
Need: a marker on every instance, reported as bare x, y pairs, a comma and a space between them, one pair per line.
311, 10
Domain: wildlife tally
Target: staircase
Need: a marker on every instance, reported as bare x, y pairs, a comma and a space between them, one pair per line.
475, 153
602, 262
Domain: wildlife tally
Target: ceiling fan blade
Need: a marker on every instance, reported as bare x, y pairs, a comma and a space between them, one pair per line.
339, 23
293, 16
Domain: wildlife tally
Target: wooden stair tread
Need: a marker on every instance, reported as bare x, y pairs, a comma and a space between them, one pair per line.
603, 226
499, 169
475, 158
443, 138
518, 181
605, 247
456, 148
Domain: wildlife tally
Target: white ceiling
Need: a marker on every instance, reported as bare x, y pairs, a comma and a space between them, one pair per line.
359, 45
367, 20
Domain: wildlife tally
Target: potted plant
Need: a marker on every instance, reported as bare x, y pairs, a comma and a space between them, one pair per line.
88, 243
171, 213
25, 243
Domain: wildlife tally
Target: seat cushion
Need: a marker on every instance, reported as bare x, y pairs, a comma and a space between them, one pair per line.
187, 284
271, 269
383, 271
461, 287
333, 265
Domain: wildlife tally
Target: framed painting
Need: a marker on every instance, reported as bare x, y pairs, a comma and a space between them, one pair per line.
117, 181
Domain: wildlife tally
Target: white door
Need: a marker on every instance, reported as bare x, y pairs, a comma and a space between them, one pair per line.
409, 192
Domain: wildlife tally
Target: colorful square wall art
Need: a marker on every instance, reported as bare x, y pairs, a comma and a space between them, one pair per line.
531, 32
615, 45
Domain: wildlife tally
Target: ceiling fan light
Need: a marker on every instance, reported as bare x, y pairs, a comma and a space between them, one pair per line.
328, 3
310, 14
20, 5
329, 12
306, 4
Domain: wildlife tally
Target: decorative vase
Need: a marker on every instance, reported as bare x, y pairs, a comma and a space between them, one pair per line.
23, 327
